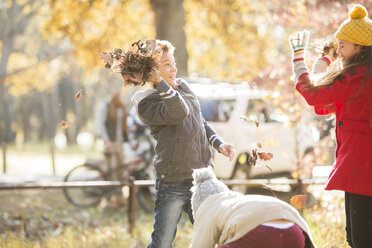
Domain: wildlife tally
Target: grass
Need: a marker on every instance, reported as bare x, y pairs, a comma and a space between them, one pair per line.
43, 219
327, 222
35, 159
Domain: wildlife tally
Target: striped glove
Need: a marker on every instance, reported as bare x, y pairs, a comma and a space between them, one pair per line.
299, 44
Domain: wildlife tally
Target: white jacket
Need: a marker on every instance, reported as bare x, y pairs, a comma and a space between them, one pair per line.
226, 217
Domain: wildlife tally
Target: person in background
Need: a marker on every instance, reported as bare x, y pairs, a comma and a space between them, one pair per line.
233, 220
345, 89
112, 124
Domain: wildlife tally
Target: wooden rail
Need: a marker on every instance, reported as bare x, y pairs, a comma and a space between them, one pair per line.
133, 184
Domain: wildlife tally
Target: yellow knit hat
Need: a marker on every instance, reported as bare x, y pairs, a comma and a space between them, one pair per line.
357, 28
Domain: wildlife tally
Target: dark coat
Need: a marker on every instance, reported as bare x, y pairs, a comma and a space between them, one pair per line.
183, 136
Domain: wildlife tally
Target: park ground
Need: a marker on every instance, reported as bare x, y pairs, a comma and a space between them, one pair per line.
44, 218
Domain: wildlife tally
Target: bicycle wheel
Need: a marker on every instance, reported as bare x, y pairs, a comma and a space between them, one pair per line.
146, 198
145, 195
84, 197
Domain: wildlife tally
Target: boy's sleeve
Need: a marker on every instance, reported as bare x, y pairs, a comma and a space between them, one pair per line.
213, 138
170, 110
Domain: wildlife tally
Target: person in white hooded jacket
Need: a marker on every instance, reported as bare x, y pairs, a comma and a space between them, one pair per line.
230, 219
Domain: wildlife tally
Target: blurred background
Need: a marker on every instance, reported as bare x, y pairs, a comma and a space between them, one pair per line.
48, 51
53, 84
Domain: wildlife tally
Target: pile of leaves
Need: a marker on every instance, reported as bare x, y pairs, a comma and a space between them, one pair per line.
138, 61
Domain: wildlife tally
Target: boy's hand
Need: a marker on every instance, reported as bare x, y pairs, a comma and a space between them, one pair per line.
155, 77
227, 150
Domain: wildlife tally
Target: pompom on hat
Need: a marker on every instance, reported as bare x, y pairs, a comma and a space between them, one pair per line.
205, 184
357, 28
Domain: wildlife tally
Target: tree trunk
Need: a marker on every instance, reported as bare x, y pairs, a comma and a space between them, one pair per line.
170, 22
48, 117
5, 120
25, 113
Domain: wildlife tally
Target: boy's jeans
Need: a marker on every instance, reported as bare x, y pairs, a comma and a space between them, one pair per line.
171, 199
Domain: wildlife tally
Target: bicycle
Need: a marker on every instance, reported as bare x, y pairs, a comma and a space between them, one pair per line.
93, 170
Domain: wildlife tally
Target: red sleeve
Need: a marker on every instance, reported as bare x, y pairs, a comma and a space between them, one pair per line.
325, 109
341, 89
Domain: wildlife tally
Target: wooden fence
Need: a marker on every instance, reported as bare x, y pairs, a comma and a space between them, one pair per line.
134, 184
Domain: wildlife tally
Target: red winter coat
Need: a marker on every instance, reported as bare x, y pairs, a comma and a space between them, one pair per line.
350, 98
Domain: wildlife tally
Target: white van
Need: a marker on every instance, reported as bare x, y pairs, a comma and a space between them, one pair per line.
242, 117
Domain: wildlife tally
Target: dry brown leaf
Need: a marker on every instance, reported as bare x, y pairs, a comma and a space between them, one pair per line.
265, 156
257, 123
79, 95
254, 154
298, 201
259, 145
64, 124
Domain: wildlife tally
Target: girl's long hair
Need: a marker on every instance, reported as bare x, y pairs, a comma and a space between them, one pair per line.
337, 68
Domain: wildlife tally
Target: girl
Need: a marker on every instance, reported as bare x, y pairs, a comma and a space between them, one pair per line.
345, 89
233, 220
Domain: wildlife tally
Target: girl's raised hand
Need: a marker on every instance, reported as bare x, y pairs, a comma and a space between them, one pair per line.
298, 44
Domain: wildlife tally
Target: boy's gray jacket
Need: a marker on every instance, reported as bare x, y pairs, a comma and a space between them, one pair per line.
176, 123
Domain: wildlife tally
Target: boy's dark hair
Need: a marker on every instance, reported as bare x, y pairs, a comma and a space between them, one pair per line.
141, 58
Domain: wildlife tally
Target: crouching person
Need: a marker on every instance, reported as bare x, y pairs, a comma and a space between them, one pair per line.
231, 219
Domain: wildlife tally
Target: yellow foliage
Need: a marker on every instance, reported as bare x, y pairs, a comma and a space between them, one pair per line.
99, 26
226, 42
38, 75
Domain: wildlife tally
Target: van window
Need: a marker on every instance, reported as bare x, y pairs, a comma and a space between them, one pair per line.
216, 110
261, 111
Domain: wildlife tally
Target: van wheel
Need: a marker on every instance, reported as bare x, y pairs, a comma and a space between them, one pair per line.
241, 172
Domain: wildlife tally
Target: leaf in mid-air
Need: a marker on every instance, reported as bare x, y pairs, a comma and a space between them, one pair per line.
298, 201
79, 95
265, 155
64, 124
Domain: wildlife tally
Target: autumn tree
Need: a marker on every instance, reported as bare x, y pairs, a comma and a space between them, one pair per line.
170, 24
15, 18
49, 43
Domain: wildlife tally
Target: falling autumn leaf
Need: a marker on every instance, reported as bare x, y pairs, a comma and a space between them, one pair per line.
254, 154
79, 95
265, 156
298, 201
257, 123
259, 145
64, 124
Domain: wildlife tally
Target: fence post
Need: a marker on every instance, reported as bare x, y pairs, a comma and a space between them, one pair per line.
300, 186
132, 205
3, 145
